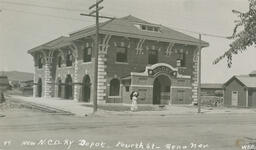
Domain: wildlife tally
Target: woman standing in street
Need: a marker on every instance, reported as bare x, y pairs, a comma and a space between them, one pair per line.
134, 96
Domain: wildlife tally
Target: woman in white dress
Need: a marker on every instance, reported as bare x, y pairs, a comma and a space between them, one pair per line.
134, 96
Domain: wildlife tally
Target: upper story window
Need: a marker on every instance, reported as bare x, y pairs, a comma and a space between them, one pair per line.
181, 61
40, 61
69, 58
59, 61
121, 54
152, 57
87, 54
149, 28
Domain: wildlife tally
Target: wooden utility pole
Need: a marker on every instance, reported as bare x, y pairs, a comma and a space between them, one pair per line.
95, 13
199, 76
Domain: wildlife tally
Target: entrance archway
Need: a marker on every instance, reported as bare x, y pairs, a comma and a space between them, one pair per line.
161, 90
39, 87
68, 87
86, 89
59, 88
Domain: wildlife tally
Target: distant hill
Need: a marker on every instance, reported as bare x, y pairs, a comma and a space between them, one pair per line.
18, 76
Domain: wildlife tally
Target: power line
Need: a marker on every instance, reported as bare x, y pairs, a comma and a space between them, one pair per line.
41, 6
76, 19
68, 9
202, 33
47, 15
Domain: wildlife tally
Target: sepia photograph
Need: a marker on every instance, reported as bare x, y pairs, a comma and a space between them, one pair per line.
128, 75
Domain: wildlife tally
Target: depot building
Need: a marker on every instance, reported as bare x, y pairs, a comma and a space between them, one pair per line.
158, 62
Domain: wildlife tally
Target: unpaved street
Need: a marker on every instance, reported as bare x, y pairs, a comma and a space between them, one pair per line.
29, 129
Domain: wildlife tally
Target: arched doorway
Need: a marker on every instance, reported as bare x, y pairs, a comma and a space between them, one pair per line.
161, 90
68, 87
114, 87
86, 91
39, 87
59, 88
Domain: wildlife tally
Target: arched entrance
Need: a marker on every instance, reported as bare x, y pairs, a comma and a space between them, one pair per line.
86, 89
161, 90
39, 87
68, 87
59, 88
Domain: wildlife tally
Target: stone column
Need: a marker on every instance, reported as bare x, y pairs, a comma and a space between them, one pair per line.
48, 80
34, 78
76, 88
195, 77
34, 85
102, 73
75, 54
102, 78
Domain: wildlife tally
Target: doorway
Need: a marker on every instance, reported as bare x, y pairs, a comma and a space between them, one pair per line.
59, 88
39, 88
234, 98
161, 90
86, 89
68, 87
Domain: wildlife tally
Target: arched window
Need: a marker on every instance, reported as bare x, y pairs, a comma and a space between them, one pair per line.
40, 61
59, 61
114, 87
69, 58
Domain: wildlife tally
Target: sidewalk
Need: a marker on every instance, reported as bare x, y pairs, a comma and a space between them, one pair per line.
71, 106
79, 108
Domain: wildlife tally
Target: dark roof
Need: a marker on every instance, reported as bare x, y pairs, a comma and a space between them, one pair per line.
52, 44
127, 26
212, 86
253, 73
246, 80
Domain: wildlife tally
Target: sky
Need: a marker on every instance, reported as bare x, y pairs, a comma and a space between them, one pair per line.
23, 27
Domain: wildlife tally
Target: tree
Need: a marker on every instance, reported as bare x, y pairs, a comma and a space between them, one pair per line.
246, 37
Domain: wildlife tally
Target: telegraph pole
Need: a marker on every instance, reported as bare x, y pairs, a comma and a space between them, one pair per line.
199, 76
95, 13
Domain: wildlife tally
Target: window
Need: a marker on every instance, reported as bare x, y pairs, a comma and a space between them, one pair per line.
87, 54
40, 61
152, 57
59, 61
127, 88
143, 27
121, 54
114, 87
180, 95
150, 28
69, 58
181, 60
156, 29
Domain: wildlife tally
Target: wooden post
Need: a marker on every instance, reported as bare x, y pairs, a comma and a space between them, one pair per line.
95, 105
97, 16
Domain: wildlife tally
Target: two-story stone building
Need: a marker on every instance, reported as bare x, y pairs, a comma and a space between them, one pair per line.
158, 62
